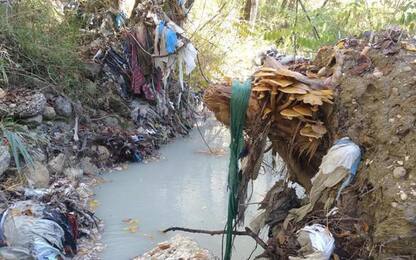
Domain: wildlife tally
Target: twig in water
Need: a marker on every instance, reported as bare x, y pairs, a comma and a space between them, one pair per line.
203, 139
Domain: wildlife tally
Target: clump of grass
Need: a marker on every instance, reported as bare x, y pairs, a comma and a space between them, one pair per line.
42, 42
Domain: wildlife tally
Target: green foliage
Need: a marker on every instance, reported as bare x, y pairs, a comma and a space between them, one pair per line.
16, 134
44, 43
338, 19
18, 147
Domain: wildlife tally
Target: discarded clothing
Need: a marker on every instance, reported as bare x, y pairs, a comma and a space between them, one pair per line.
118, 68
316, 242
44, 232
138, 80
167, 36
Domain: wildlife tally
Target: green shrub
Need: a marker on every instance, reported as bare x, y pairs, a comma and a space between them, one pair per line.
42, 42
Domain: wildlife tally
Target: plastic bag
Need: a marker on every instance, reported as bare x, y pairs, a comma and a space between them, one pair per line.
316, 242
15, 253
188, 55
24, 228
125, 9
344, 153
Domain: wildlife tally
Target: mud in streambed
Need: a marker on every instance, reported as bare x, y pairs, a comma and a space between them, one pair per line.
186, 187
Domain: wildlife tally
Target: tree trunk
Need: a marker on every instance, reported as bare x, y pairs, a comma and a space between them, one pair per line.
250, 11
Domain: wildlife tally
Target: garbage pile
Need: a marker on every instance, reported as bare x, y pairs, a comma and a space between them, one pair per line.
144, 56
322, 117
48, 224
137, 58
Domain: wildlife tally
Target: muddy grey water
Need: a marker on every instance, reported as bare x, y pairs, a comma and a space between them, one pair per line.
187, 187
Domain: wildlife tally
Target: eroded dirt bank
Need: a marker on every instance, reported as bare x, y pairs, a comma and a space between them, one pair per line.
361, 88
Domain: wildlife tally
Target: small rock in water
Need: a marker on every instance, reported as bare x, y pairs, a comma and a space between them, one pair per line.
49, 113
403, 196
399, 172
37, 175
63, 107
4, 158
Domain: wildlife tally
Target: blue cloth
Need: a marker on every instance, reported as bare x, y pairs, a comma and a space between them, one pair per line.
171, 40
160, 27
137, 157
120, 19
170, 36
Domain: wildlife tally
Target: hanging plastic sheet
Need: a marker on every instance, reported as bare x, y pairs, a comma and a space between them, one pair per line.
340, 163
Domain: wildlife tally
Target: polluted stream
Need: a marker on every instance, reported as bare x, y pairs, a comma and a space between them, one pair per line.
187, 187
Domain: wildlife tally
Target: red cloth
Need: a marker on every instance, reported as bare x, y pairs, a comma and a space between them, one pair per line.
137, 76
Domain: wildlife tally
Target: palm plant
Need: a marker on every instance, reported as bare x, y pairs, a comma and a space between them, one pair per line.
15, 140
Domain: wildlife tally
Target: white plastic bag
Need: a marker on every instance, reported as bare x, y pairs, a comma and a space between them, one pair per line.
126, 7
317, 243
344, 153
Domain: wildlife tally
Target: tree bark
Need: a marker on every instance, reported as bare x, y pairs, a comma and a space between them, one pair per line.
250, 11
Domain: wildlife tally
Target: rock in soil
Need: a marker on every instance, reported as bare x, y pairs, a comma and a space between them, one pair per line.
178, 247
73, 173
63, 107
37, 175
88, 167
33, 121
102, 152
399, 172
49, 113
56, 165
4, 158
22, 103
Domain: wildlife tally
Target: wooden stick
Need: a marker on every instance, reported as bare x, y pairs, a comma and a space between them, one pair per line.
248, 232
201, 231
